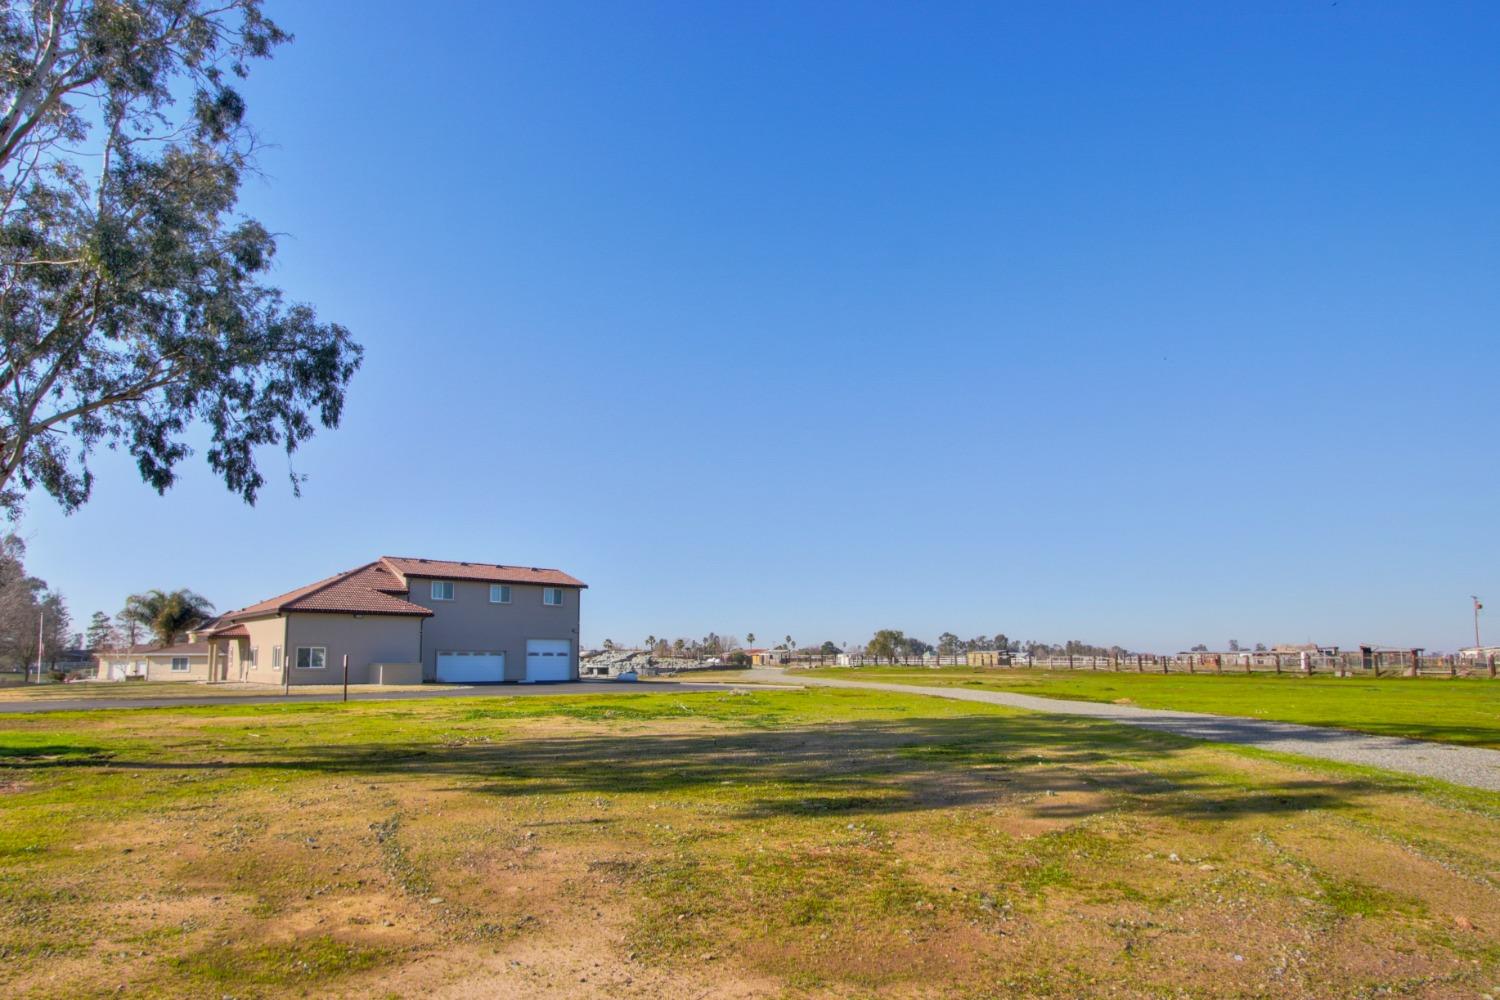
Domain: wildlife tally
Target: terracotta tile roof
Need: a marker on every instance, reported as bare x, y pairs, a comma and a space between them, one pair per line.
370, 589
176, 649
230, 632
487, 572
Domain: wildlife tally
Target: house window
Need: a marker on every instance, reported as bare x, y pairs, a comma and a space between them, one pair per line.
442, 590
499, 593
254, 658
275, 657
312, 657
179, 664
552, 596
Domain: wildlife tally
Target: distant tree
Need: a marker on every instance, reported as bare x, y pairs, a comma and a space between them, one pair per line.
1260, 647
167, 614
679, 647
948, 643
1200, 648
25, 604
916, 647
887, 644
650, 642
828, 649
738, 658
609, 644
128, 631
790, 643
1234, 645
1000, 641
750, 639
662, 648
101, 632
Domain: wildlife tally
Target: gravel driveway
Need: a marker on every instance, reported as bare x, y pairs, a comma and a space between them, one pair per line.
1476, 767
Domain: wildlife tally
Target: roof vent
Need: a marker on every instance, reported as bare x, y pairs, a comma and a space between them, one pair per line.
536, 569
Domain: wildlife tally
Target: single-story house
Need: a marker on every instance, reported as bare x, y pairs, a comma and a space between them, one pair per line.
405, 620
768, 657
183, 661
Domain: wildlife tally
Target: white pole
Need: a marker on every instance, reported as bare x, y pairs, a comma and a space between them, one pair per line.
41, 618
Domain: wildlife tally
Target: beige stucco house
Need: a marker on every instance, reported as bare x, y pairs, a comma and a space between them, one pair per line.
184, 661
403, 620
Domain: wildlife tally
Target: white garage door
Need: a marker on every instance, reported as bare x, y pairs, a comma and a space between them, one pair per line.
458, 667
548, 660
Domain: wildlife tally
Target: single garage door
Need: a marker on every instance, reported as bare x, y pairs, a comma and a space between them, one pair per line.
463, 667
548, 660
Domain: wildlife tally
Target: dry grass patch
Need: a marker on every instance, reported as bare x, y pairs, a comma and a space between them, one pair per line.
798, 844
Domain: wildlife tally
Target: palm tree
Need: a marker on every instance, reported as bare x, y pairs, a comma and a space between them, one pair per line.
166, 615
750, 639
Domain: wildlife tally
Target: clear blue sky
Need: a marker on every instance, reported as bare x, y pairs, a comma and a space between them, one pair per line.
1142, 323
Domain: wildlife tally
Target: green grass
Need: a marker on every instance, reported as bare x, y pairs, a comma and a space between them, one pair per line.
791, 843
1462, 711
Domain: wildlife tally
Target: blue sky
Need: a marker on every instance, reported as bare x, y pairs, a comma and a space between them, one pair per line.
1141, 323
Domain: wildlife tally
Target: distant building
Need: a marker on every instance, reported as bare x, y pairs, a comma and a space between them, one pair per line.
988, 658
1310, 648
1479, 652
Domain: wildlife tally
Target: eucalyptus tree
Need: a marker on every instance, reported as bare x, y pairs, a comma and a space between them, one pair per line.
131, 299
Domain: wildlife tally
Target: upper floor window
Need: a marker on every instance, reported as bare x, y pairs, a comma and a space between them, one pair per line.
442, 590
552, 596
499, 593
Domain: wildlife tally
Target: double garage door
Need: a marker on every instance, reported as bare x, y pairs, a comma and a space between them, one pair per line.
546, 660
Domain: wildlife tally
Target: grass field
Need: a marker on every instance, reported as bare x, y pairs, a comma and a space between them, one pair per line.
1465, 711
106, 691
790, 843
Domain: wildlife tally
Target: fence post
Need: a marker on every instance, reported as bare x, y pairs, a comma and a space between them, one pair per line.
1452, 666
1276, 658
1492, 666
1163, 663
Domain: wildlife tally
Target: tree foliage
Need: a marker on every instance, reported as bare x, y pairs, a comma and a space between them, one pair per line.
26, 602
887, 644
166, 615
101, 633
131, 304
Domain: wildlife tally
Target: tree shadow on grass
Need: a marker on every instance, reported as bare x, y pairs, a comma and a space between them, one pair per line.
851, 768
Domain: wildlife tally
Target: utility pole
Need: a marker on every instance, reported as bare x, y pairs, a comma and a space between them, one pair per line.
41, 618
1477, 608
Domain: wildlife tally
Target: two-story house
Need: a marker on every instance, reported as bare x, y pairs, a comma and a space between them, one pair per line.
466, 622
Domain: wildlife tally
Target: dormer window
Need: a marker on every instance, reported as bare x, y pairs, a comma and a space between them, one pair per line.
442, 590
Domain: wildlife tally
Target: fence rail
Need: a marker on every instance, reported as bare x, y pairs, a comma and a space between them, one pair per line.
1378, 663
